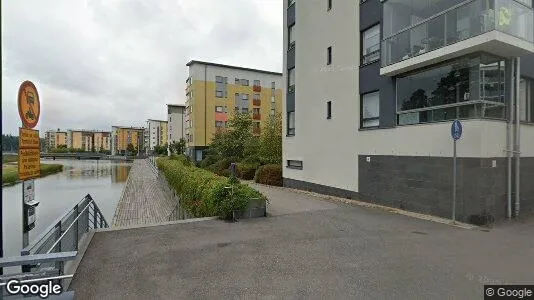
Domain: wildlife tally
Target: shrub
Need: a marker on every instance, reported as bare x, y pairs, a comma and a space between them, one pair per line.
221, 165
246, 171
208, 160
269, 174
203, 193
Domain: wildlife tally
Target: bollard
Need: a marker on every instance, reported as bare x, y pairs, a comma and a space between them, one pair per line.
233, 169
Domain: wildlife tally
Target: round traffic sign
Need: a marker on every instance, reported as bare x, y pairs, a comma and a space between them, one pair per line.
29, 105
456, 130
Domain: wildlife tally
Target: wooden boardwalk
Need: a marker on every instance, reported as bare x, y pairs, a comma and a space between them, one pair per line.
143, 200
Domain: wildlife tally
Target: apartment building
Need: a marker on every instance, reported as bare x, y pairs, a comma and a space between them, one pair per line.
373, 87
102, 141
88, 140
157, 134
55, 139
122, 136
214, 92
175, 122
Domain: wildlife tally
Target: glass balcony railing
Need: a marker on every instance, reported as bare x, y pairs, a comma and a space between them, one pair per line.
514, 17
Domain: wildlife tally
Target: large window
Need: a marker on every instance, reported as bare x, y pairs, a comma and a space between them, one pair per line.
291, 80
371, 44
471, 87
291, 123
291, 37
370, 110
526, 100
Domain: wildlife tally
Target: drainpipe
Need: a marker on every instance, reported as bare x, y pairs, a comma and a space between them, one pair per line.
517, 136
509, 142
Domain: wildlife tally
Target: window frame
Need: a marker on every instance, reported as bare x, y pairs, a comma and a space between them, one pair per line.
217, 94
291, 87
294, 164
291, 33
374, 55
290, 130
219, 106
362, 119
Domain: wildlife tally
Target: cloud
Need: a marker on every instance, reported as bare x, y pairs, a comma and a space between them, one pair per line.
98, 63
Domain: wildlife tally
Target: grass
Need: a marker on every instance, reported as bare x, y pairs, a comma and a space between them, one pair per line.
7, 158
10, 174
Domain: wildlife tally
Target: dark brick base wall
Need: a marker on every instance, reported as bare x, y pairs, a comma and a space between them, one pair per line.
424, 184
318, 188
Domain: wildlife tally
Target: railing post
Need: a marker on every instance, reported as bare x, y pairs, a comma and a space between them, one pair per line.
76, 233
94, 216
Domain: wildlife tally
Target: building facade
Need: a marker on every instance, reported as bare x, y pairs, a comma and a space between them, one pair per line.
157, 134
102, 141
373, 87
214, 92
122, 136
55, 139
88, 140
175, 122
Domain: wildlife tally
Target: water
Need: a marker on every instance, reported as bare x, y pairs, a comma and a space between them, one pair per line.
57, 193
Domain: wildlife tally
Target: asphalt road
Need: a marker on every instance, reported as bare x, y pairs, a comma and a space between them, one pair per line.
329, 252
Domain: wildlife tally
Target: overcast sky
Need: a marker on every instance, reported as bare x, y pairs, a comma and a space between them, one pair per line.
98, 63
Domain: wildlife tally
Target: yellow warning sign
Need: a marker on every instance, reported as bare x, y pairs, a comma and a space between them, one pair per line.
29, 104
29, 163
29, 139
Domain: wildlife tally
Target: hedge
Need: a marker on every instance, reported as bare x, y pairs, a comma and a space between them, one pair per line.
269, 174
246, 171
203, 193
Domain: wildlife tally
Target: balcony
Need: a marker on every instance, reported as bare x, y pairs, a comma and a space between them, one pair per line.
256, 88
500, 27
256, 116
256, 102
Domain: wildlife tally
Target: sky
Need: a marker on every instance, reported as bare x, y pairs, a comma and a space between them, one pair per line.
98, 63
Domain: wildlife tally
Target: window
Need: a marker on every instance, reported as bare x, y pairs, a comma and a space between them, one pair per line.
218, 108
218, 94
244, 82
290, 2
170, 119
329, 4
526, 100
291, 37
219, 79
257, 83
273, 85
294, 164
244, 97
371, 45
244, 110
256, 97
370, 110
291, 80
219, 124
329, 55
273, 112
329, 110
291, 123
256, 111
237, 81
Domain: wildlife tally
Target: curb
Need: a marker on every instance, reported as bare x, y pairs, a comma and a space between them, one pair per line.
378, 206
157, 224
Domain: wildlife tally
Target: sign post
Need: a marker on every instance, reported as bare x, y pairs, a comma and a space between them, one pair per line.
29, 154
456, 133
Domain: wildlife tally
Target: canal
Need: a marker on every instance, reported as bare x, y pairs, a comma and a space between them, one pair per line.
57, 193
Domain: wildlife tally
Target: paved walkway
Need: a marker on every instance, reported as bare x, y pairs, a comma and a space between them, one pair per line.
335, 252
143, 200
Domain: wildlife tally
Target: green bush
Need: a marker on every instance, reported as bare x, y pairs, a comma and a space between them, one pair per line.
246, 171
220, 165
208, 160
202, 193
269, 174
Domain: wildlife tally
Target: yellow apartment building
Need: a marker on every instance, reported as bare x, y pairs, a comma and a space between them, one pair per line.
122, 136
214, 92
55, 139
102, 141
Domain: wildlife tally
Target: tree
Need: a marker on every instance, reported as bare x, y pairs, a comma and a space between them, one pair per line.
177, 147
270, 148
232, 142
130, 148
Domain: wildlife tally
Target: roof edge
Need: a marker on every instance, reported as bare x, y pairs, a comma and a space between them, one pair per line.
192, 62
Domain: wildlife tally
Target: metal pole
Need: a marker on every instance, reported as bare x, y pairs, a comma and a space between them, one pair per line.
509, 142
1, 233
517, 137
25, 239
454, 184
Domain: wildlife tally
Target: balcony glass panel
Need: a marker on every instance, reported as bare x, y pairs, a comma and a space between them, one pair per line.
471, 87
421, 33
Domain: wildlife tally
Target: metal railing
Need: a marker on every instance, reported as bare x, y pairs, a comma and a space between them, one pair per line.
65, 234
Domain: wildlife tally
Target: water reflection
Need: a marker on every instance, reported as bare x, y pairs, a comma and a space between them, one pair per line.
57, 193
